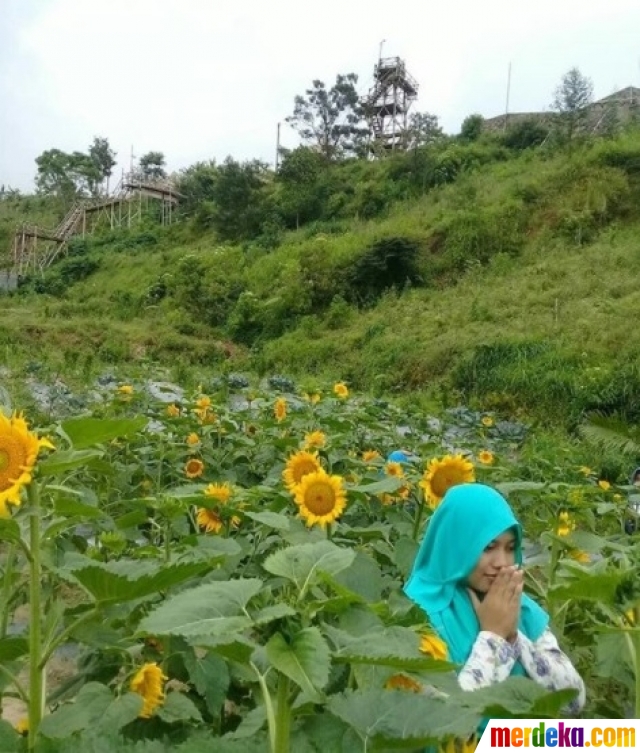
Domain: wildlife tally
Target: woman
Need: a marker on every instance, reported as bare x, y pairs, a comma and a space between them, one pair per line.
467, 578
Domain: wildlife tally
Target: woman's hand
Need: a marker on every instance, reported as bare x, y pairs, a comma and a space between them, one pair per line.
499, 611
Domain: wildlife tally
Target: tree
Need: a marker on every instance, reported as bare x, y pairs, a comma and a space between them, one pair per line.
237, 195
85, 174
525, 134
54, 174
571, 102
196, 185
103, 157
423, 129
610, 123
77, 174
471, 128
331, 119
298, 177
152, 165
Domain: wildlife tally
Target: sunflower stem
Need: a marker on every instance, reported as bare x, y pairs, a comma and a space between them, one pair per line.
159, 470
20, 690
283, 718
6, 589
635, 638
268, 704
418, 520
167, 541
553, 562
62, 637
36, 672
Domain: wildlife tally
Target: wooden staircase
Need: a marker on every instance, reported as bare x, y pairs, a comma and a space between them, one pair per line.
34, 248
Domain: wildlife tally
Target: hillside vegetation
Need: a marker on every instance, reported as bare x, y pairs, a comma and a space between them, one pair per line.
479, 271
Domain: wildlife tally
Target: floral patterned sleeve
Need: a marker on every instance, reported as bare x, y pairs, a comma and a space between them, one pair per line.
550, 667
491, 661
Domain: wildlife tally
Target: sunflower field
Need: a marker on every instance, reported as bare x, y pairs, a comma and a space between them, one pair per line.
225, 572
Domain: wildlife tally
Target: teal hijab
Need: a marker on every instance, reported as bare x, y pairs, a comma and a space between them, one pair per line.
469, 518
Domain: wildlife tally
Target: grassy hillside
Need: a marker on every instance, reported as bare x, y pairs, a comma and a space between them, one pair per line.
513, 284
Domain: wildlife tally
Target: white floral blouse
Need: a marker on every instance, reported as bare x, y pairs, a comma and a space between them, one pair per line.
492, 659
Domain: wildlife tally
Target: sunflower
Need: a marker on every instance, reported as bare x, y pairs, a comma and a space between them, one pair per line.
19, 450
219, 492
173, 410
148, 682
402, 682
321, 498
315, 439
125, 389
487, 421
22, 725
313, 398
433, 646
456, 745
280, 409
203, 402
576, 497
206, 415
404, 491
566, 524
193, 438
369, 455
585, 470
194, 468
580, 556
604, 485
394, 469
486, 457
341, 390
209, 520
298, 465
441, 475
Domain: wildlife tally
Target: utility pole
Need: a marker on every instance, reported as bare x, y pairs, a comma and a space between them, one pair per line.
380, 52
278, 148
506, 111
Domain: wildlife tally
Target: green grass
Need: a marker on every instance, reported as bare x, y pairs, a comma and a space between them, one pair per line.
528, 298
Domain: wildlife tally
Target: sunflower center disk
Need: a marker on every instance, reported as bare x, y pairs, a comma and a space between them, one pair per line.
4, 460
320, 500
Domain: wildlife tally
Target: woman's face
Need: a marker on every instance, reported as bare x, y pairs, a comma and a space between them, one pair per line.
498, 554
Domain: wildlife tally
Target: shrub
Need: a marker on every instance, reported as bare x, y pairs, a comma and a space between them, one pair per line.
389, 262
524, 135
478, 235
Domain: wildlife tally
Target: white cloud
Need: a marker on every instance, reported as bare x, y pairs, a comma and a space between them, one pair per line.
200, 79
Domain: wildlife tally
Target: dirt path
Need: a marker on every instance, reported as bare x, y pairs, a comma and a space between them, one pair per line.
59, 670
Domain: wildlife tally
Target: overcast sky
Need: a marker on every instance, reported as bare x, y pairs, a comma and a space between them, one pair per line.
201, 79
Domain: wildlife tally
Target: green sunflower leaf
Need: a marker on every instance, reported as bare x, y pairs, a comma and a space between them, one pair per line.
305, 659
64, 460
385, 716
397, 647
303, 563
12, 649
212, 609
126, 579
86, 432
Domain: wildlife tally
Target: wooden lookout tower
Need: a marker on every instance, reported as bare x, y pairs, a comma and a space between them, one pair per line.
388, 103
